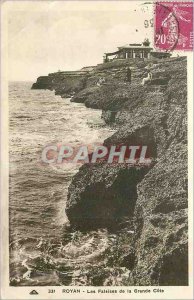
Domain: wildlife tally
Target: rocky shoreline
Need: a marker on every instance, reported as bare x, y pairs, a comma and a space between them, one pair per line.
150, 201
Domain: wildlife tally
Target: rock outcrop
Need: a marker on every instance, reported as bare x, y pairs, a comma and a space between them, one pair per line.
65, 84
43, 83
153, 199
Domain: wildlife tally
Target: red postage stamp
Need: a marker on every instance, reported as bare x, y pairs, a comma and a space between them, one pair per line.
173, 25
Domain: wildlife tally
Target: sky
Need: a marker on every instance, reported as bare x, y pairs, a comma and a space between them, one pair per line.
61, 35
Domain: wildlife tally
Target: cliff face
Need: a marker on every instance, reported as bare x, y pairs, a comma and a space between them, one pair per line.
65, 84
43, 82
150, 200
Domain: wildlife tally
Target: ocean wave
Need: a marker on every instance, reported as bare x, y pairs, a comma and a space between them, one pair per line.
43, 248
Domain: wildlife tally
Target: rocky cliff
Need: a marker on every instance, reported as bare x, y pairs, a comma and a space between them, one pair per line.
150, 201
65, 84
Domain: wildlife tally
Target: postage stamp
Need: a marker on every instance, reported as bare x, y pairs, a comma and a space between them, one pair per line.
173, 25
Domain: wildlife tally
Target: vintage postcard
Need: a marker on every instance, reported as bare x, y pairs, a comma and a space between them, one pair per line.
96, 149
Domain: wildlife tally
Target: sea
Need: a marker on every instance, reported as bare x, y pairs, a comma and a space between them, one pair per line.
43, 249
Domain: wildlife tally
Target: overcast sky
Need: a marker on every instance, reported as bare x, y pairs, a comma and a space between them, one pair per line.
46, 37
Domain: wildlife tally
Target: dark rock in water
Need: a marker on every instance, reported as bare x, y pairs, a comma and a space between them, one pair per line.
64, 83
84, 94
43, 82
154, 199
101, 195
109, 116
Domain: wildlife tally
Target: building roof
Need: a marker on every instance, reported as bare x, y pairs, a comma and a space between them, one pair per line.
113, 53
135, 46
